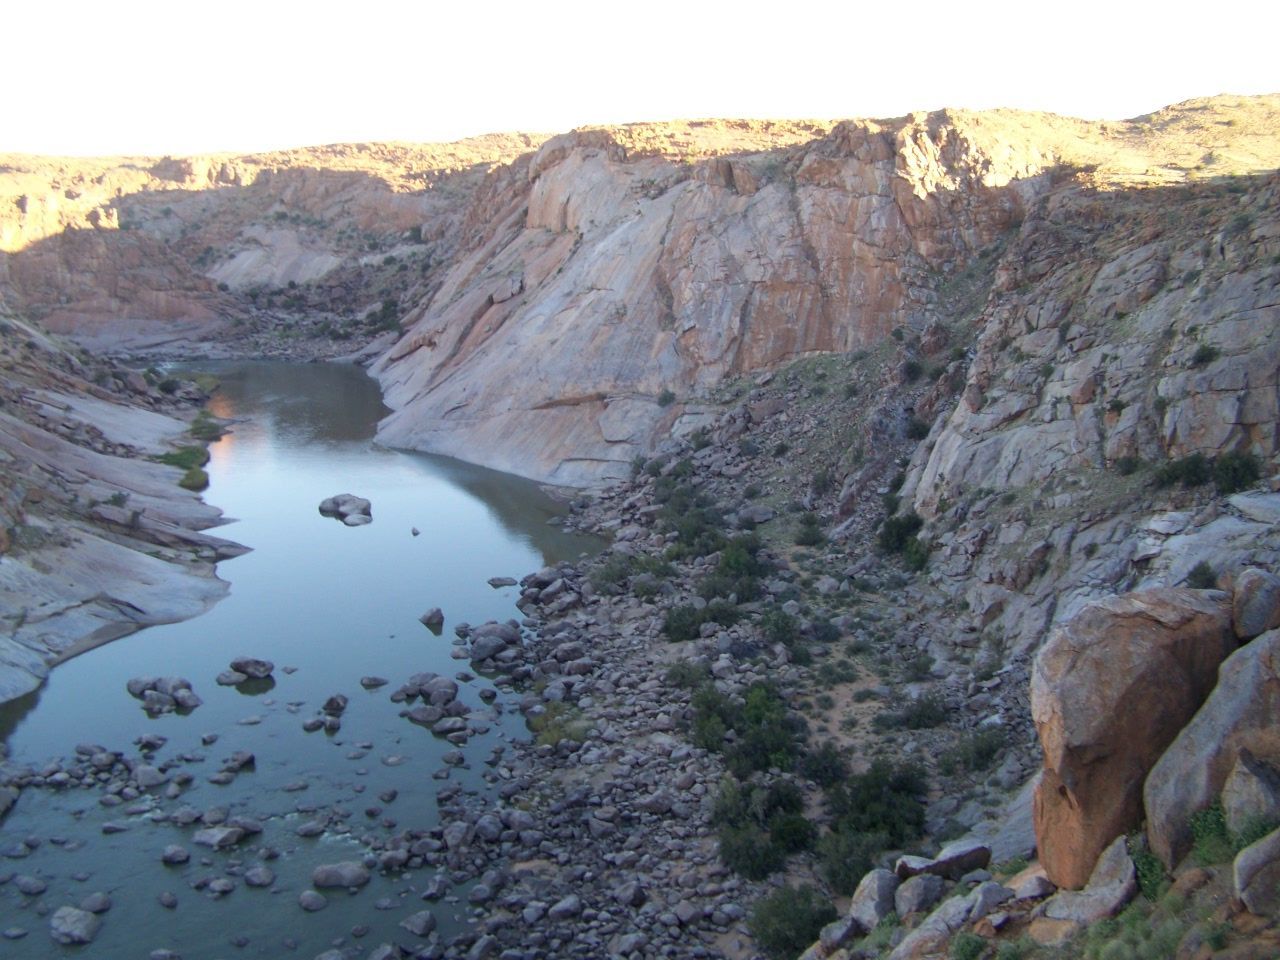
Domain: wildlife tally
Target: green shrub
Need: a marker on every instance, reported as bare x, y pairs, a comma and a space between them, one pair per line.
967, 946
787, 921
825, 765
1127, 466
883, 800
845, 856
194, 479
746, 850
1202, 577
895, 532
974, 753
1191, 471
560, 721
687, 674
911, 371
809, 533
919, 714
1212, 841
917, 429
1205, 354
1149, 869
204, 427
780, 448
1235, 471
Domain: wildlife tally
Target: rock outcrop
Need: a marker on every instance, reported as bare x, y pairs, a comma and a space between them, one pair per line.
1109, 691
1239, 715
79, 497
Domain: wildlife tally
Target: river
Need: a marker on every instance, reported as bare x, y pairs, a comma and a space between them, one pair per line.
328, 604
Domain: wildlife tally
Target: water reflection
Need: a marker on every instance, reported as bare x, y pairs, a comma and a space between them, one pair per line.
328, 604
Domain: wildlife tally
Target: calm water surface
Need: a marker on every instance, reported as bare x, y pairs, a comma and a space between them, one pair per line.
336, 603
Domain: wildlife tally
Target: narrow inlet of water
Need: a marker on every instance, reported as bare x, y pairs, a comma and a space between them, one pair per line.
328, 604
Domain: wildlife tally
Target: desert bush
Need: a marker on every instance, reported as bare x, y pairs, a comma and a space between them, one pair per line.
896, 532
1202, 577
1190, 471
788, 920
1235, 471
919, 714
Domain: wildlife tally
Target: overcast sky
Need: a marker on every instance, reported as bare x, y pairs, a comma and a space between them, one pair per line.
136, 76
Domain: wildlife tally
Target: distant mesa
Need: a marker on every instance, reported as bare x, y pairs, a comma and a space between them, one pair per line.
352, 510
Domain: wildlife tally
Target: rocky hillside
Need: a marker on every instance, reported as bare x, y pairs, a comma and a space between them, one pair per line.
611, 281
294, 250
98, 520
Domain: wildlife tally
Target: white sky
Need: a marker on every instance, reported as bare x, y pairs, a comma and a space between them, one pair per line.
147, 77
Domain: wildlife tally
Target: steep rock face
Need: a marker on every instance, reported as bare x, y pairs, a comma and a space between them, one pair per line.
1130, 321
609, 276
1109, 691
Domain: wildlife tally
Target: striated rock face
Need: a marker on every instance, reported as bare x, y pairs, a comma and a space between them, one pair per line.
1239, 715
78, 497
1109, 691
609, 274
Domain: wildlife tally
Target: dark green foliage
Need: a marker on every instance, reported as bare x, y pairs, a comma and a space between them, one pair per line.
767, 736
185, 457
966, 945
1235, 471
1212, 840
1204, 355
917, 429
911, 371
885, 799
823, 481
895, 532
973, 754
847, 855
387, 317
1192, 471
825, 766
1127, 466
684, 622
748, 851
759, 825
787, 921
666, 398
921, 713
915, 555
918, 667
780, 448
778, 626
1149, 869
688, 674
809, 533
1202, 577
194, 479
612, 575
204, 427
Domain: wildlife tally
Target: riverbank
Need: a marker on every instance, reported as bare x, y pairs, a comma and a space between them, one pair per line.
98, 537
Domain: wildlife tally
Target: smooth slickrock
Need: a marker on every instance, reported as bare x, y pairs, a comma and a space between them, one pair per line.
1239, 714
1109, 691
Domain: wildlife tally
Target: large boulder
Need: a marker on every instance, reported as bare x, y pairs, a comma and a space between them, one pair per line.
1112, 884
1255, 605
1256, 875
1239, 715
873, 900
352, 510
1109, 691
71, 926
